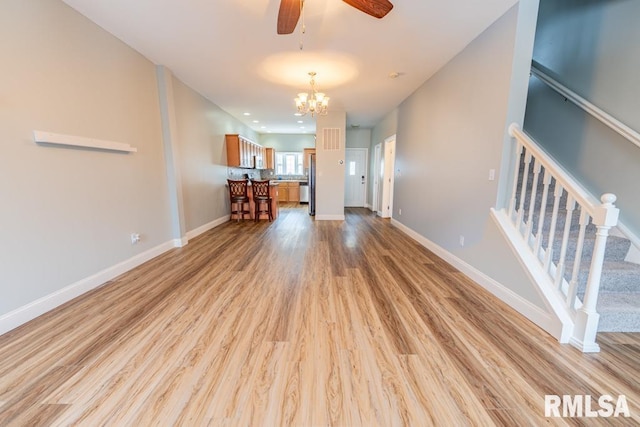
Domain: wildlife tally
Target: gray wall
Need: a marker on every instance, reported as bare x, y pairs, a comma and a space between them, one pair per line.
592, 47
201, 127
450, 132
330, 168
287, 142
358, 138
68, 213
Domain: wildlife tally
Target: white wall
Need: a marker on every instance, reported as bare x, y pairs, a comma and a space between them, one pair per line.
593, 48
450, 133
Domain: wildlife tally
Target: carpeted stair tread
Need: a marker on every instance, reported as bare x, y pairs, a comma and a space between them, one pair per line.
619, 312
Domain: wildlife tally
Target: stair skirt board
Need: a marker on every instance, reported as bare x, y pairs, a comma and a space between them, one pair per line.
546, 321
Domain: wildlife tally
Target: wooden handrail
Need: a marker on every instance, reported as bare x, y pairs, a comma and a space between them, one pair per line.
606, 118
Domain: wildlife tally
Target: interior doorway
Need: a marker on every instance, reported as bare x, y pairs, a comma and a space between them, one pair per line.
378, 176
355, 182
386, 208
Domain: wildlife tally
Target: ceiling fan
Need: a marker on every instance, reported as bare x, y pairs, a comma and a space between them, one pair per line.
289, 13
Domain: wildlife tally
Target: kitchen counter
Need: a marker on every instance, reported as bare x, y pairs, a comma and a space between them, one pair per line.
275, 181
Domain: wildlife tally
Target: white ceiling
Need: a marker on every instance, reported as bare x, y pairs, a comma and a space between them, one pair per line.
228, 50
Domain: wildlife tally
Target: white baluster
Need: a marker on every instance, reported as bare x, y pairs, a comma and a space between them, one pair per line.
512, 201
571, 205
573, 284
523, 190
532, 201
552, 232
587, 318
546, 180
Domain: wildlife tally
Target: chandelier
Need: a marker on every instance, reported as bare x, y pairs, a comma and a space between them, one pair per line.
313, 102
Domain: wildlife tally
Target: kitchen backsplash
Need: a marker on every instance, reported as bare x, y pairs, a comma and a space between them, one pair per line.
239, 173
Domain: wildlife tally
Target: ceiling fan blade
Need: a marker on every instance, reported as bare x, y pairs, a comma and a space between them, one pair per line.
375, 8
288, 16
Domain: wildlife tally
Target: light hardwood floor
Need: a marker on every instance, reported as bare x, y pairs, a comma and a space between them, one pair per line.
304, 323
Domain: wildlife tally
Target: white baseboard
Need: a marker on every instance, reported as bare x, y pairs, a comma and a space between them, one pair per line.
206, 227
535, 314
30, 311
329, 217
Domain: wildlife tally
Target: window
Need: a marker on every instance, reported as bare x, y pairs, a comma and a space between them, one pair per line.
289, 164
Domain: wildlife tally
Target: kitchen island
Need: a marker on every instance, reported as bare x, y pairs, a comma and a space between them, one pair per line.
273, 192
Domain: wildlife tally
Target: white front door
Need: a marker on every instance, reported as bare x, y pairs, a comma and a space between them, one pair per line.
355, 177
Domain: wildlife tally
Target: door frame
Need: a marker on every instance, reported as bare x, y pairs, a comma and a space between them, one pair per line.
386, 208
377, 166
366, 170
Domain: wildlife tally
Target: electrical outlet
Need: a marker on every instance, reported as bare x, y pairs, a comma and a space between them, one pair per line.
461, 240
399, 211
492, 174
135, 238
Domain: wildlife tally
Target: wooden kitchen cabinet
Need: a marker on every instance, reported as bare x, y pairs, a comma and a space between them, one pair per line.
294, 192
288, 191
270, 158
283, 192
243, 153
305, 159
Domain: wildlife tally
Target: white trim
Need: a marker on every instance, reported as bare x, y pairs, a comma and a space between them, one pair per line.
536, 273
368, 206
206, 227
329, 217
80, 141
181, 242
606, 118
538, 316
30, 311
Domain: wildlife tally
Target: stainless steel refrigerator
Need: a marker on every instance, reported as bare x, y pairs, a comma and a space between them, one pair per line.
312, 184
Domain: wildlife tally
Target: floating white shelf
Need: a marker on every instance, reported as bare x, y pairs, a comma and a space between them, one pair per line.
79, 141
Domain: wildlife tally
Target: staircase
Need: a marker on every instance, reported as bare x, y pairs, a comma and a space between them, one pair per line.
561, 233
619, 296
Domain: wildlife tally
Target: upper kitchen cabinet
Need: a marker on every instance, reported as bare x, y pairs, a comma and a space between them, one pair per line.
269, 158
244, 153
307, 153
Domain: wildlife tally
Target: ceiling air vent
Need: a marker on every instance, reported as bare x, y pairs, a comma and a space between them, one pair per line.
331, 139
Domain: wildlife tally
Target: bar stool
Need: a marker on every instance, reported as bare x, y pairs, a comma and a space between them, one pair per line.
261, 195
238, 197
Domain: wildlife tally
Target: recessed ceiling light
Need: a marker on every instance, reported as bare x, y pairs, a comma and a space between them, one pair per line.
256, 121
247, 114
300, 121
297, 114
394, 74
263, 127
301, 127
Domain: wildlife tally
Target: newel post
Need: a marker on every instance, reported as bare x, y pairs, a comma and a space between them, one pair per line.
586, 327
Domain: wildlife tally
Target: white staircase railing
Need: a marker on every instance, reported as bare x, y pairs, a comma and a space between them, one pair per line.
541, 233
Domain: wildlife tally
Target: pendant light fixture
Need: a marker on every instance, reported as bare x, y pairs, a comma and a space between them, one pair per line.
313, 102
